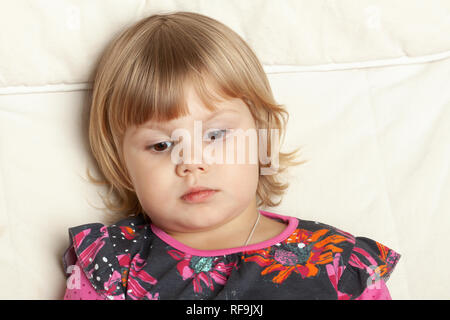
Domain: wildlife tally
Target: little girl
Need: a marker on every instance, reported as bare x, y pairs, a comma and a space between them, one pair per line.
193, 229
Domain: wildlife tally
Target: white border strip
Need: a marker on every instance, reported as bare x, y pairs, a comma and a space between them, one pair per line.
269, 69
357, 65
46, 88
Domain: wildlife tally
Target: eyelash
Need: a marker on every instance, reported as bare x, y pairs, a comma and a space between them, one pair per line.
224, 132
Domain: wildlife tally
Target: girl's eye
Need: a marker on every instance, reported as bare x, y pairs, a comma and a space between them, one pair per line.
160, 147
221, 134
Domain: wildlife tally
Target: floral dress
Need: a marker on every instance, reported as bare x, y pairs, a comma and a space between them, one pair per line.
133, 259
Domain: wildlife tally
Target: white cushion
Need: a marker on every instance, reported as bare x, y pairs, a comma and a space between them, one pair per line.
366, 85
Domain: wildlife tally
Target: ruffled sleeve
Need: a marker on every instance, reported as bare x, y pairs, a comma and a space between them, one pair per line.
92, 250
367, 268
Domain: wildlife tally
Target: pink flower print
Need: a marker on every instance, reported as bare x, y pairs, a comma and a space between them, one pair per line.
112, 287
134, 288
334, 274
124, 260
374, 270
206, 270
137, 272
136, 291
88, 255
78, 238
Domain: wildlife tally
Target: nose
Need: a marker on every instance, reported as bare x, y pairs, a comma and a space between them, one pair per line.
184, 169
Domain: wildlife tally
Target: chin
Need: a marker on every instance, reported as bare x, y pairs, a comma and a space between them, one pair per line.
200, 222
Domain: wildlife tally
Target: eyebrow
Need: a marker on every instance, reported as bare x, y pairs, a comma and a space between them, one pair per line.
160, 126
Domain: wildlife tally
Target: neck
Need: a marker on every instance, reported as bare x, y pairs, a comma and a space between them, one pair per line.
230, 234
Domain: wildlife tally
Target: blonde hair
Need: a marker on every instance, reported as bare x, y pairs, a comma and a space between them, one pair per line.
142, 75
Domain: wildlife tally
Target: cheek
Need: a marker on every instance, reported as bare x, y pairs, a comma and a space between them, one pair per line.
241, 180
245, 176
153, 181
150, 180
154, 189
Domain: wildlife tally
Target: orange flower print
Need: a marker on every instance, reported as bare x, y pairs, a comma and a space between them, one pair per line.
390, 258
300, 253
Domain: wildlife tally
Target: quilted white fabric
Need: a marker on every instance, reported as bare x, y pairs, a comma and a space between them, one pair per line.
366, 84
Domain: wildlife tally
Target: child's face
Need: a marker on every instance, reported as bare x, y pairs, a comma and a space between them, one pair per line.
160, 182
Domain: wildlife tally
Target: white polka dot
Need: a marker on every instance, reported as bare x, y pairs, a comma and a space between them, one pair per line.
96, 267
301, 245
98, 278
104, 259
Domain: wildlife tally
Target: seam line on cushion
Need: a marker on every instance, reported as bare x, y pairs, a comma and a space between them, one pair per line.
273, 69
269, 69
46, 88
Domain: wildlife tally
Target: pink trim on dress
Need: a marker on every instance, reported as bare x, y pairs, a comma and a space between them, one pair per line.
292, 225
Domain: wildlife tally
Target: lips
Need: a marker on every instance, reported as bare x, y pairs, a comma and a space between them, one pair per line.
198, 194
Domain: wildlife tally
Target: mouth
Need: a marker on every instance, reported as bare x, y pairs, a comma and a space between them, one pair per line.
199, 194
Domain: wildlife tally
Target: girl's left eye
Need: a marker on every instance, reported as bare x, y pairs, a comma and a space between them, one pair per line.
221, 134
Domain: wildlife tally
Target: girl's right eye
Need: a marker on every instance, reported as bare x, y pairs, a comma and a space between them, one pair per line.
160, 146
